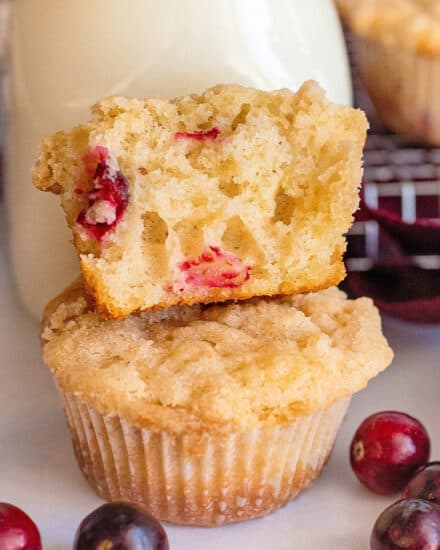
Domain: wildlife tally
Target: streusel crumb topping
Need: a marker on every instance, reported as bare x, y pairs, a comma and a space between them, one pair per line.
220, 367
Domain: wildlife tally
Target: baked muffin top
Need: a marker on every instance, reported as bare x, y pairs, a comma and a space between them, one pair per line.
218, 368
413, 24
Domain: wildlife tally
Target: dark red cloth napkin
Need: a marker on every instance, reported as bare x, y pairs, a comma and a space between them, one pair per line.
398, 286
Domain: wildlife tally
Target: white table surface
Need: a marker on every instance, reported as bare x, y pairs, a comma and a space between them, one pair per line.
38, 471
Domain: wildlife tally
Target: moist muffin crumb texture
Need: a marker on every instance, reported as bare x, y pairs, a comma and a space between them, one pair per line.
230, 194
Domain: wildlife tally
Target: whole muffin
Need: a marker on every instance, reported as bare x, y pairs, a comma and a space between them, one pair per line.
210, 414
397, 43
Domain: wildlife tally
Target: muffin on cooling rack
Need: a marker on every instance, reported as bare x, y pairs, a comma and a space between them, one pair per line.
397, 43
210, 414
227, 195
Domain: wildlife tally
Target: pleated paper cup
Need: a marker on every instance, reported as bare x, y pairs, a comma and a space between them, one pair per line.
201, 479
404, 87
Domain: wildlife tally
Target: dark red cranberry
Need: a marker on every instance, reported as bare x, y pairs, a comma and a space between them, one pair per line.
17, 530
408, 524
108, 199
201, 135
387, 449
425, 484
120, 526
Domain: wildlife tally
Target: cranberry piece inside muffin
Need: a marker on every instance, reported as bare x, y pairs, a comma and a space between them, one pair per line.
215, 269
201, 135
106, 202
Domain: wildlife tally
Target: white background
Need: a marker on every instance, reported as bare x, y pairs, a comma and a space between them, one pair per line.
38, 471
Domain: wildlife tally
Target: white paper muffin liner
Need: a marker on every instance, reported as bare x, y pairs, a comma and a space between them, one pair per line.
404, 87
201, 480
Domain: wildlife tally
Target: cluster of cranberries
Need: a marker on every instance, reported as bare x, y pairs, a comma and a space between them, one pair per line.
389, 454
115, 526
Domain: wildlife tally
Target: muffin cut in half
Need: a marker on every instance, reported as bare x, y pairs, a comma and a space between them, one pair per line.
210, 414
226, 195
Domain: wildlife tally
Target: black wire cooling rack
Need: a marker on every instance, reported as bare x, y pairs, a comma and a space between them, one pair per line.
400, 177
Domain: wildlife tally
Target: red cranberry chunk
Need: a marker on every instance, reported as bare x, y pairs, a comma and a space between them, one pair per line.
425, 484
202, 135
106, 202
17, 530
387, 449
407, 524
215, 269
120, 526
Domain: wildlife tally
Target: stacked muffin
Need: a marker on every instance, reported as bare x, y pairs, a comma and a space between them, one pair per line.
196, 380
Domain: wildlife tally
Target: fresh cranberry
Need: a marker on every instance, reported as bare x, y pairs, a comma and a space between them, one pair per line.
120, 526
425, 484
215, 269
108, 199
387, 449
407, 524
17, 530
202, 135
